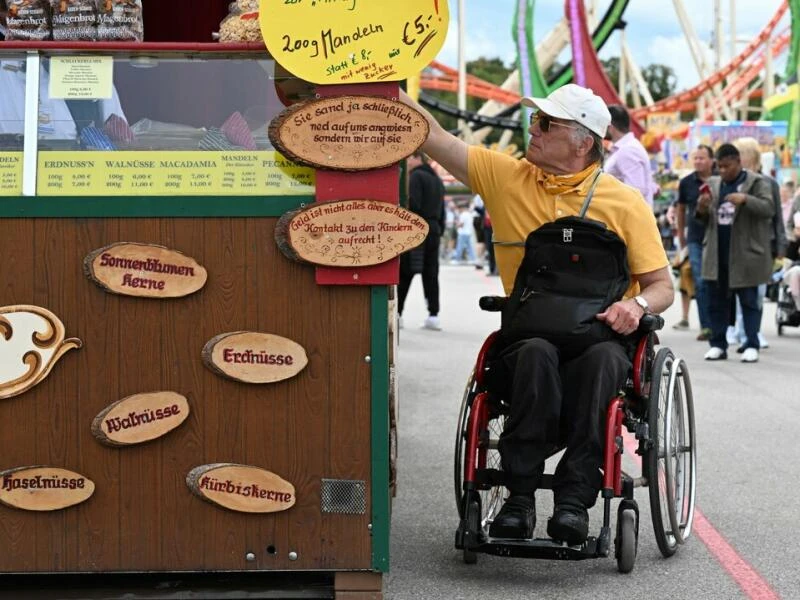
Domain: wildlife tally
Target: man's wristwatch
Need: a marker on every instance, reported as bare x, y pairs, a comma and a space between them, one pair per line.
640, 300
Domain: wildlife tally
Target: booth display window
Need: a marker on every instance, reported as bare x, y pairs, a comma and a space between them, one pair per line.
180, 124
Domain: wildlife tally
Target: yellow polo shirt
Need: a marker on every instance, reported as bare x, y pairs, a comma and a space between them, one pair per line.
520, 197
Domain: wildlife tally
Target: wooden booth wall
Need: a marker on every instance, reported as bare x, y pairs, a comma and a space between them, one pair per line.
142, 516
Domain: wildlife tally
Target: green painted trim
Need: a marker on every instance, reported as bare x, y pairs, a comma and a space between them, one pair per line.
379, 352
150, 206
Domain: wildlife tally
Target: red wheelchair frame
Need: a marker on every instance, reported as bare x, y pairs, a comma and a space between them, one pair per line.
656, 406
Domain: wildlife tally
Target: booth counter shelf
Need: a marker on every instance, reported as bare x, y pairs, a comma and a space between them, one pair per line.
165, 144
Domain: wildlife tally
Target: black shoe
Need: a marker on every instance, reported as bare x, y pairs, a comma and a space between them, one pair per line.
569, 523
516, 519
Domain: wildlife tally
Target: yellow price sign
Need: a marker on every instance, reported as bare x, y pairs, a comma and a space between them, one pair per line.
10, 173
354, 41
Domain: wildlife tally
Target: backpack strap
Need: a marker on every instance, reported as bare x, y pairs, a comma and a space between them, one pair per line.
590, 195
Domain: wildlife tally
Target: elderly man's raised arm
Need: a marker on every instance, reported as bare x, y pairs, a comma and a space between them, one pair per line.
442, 146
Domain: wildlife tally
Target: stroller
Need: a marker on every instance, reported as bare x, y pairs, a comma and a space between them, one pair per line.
786, 313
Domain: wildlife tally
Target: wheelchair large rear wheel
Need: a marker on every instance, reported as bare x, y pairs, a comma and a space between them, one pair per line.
491, 498
672, 460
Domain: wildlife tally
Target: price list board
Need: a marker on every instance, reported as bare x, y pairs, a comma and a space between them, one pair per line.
10, 173
241, 173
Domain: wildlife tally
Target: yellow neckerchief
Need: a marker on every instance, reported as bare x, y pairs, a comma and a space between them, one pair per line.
559, 184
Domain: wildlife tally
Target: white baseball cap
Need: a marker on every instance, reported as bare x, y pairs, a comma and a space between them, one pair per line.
574, 103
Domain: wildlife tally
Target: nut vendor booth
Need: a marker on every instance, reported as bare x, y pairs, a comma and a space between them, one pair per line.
198, 246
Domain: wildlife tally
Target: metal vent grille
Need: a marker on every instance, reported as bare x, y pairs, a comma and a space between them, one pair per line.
344, 496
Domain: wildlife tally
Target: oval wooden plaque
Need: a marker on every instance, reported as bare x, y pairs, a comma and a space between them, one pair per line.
254, 357
32, 340
348, 233
140, 418
43, 488
349, 133
241, 488
144, 271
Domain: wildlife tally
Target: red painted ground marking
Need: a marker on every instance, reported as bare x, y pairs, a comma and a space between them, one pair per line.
746, 577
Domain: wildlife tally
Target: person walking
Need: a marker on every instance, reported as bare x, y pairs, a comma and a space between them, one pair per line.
628, 161
465, 226
750, 151
691, 230
425, 198
738, 208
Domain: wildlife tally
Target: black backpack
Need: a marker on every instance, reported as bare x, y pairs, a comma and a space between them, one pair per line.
573, 268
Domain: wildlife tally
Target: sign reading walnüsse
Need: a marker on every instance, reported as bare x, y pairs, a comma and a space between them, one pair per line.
43, 488
144, 270
241, 488
348, 233
349, 133
140, 418
253, 357
354, 41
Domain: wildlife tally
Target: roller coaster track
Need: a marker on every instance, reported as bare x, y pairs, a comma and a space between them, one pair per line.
683, 101
673, 102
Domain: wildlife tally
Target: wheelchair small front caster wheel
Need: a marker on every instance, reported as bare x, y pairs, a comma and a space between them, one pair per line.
473, 518
626, 541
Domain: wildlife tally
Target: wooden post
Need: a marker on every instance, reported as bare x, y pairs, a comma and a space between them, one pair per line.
350, 585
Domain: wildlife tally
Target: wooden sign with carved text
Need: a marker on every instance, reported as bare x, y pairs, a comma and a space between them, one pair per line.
253, 357
32, 340
43, 488
348, 233
140, 418
144, 271
349, 133
241, 488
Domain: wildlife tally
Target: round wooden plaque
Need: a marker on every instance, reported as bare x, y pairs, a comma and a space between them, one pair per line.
140, 418
241, 488
253, 357
144, 271
349, 133
43, 488
349, 233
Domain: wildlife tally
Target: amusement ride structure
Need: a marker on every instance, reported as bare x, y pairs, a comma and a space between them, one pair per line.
724, 91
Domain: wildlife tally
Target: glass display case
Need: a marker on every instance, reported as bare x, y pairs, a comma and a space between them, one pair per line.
148, 123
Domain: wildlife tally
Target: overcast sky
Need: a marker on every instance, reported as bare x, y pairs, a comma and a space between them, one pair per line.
653, 33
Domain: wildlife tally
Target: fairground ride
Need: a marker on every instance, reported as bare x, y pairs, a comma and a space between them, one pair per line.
723, 93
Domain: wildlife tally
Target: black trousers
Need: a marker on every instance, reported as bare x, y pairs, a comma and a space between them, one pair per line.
554, 404
430, 275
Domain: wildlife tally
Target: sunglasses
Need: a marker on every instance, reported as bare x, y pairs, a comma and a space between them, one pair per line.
545, 121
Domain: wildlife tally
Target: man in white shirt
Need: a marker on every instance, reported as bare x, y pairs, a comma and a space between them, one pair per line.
628, 161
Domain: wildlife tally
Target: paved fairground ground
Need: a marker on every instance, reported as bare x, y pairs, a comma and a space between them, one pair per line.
744, 543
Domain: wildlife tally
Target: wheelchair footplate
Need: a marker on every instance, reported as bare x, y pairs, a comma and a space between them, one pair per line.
542, 548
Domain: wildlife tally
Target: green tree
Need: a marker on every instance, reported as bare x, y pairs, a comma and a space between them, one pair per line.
660, 79
491, 70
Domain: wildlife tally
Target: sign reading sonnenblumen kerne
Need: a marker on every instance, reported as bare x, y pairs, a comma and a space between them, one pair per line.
354, 41
144, 270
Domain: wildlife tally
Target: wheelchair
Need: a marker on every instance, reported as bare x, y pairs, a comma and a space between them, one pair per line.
656, 406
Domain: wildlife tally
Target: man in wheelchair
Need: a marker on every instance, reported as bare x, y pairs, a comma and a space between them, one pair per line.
558, 396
